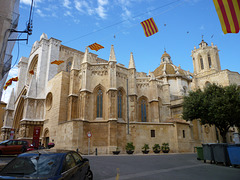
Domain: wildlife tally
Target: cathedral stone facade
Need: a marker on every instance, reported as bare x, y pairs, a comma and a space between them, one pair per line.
115, 103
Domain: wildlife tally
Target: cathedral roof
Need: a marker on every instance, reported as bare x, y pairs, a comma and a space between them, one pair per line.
165, 54
168, 69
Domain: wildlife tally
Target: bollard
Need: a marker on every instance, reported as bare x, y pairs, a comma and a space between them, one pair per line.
96, 151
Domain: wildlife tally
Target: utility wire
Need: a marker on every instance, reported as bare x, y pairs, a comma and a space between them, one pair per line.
121, 22
17, 53
133, 25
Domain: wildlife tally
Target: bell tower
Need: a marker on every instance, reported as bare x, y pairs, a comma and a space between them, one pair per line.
205, 59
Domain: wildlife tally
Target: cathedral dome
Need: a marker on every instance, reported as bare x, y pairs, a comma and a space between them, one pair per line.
169, 69
165, 54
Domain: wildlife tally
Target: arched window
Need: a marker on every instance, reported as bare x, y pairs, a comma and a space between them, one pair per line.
69, 65
207, 84
99, 103
201, 62
184, 89
209, 61
119, 104
143, 111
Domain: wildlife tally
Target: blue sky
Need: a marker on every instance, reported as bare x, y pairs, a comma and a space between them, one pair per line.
79, 23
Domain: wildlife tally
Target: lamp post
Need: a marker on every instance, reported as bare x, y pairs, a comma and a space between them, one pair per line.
127, 110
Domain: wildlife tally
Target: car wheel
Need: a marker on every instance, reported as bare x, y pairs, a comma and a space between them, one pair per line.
89, 175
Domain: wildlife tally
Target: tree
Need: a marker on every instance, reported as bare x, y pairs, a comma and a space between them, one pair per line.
216, 105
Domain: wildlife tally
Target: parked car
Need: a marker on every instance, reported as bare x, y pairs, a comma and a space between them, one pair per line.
14, 146
48, 164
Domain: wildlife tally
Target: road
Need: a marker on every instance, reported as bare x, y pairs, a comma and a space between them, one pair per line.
157, 167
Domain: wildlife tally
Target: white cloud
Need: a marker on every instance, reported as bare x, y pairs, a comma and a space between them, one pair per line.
76, 21
68, 13
66, 3
126, 13
124, 2
100, 10
13, 72
40, 13
102, 2
87, 7
81, 6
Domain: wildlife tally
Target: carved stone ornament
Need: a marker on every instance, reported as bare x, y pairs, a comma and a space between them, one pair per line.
207, 129
132, 99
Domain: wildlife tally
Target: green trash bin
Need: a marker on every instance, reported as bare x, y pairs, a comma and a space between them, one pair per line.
199, 153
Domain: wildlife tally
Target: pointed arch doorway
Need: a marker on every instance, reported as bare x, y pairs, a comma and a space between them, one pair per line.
46, 138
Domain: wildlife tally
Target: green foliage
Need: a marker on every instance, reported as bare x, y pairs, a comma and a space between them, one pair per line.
156, 147
145, 147
165, 147
192, 105
130, 146
216, 105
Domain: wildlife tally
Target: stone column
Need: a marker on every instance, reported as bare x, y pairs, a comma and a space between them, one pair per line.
85, 96
132, 108
154, 113
112, 104
72, 107
112, 135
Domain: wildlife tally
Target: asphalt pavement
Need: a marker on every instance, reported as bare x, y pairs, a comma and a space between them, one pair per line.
157, 167
154, 167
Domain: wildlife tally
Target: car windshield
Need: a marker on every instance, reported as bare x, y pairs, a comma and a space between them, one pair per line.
3, 142
45, 165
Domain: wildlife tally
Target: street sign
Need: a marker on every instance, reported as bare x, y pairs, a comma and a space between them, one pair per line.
89, 134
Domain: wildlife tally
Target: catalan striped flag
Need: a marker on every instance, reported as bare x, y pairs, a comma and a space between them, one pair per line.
9, 82
15, 79
31, 72
149, 27
57, 62
95, 46
229, 15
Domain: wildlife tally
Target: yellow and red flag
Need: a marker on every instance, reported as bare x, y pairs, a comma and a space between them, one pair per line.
31, 72
15, 79
229, 15
9, 82
149, 27
57, 62
95, 46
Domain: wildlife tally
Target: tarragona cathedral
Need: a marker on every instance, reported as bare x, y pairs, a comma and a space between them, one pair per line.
115, 103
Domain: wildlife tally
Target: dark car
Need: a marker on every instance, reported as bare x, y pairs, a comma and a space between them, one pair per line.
48, 164
14, 146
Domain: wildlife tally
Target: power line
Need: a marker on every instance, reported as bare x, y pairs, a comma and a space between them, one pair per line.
133, 25
120, 22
